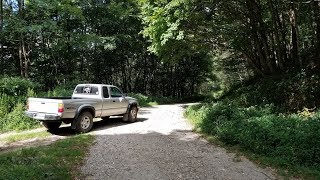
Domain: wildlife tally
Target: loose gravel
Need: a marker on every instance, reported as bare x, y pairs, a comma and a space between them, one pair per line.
161, 145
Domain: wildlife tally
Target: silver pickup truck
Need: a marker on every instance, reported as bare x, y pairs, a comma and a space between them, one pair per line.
87, 102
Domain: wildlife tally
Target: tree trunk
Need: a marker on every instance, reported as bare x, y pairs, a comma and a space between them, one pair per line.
1, 14
277, 29
21, 59
253, 64
26, 60
259, 36
316, 9
282, 25
22, 52
294, 34
264, 37
1, 25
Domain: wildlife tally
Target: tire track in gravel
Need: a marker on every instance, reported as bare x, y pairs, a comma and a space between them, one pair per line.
161, 145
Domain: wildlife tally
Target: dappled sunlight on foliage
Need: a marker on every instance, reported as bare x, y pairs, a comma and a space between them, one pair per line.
291, 140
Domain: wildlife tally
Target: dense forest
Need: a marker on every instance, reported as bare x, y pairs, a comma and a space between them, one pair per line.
257, 62
61, 42
167, 48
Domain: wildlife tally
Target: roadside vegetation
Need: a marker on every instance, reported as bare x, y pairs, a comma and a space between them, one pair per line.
14, 92
269, 121
59, 160
23, 136
147, 101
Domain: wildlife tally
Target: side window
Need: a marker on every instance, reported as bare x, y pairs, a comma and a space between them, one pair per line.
115, 92
105, 92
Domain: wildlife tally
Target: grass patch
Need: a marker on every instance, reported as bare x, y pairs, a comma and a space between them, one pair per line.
55, 161
24, 136
288, 142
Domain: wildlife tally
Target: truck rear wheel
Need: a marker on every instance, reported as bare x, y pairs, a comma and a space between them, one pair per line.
132, 116
51, 126
84, 122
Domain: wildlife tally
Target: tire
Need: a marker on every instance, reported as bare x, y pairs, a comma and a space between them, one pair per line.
51, 126
105, 118
84, 122
132, 115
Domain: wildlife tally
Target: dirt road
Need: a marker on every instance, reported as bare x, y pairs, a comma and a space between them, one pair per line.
161, 145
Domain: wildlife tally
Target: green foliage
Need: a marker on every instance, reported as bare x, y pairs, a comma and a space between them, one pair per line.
274, 118
13, 94
15, 86
6, 104
143, 100
16, 120
289, 93
290, 141
99, 42
60, 91
146, 101
55, 161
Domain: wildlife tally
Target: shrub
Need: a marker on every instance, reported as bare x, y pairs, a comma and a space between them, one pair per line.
61, 92
16, 120
143, 99
6, 104
15, 86
292, 138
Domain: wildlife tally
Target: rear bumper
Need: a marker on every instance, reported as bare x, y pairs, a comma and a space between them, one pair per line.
43, 116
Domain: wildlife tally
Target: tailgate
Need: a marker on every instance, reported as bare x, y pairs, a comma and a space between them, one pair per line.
43, 105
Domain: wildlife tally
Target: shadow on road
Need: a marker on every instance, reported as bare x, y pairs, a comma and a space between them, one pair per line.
180, 154
97, 125
144, 111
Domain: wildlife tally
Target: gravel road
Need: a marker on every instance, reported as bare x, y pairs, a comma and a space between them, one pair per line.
161, 145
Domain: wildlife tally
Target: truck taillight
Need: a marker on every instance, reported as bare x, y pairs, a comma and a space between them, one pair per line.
60, 108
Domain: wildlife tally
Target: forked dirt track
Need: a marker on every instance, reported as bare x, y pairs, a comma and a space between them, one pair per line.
161, 145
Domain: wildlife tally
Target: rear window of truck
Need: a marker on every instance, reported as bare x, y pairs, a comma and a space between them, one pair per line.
90, 90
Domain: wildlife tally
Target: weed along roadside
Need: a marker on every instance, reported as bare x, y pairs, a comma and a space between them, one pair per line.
59, 160
289, 143
11, 138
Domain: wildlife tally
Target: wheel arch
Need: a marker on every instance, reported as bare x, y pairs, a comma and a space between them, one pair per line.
85, 108
80, 110
132, 104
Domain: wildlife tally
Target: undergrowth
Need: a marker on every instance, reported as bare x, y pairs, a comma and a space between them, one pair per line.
13, 96
276, 122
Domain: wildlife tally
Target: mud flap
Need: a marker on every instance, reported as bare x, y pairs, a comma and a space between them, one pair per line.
74, 123
125, 117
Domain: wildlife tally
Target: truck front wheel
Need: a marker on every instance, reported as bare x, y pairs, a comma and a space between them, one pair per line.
84, 122
132, 116
51, 126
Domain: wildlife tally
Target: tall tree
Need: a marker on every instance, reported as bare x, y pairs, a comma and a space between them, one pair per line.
316, 12
1, 27
23, 57
294, 32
